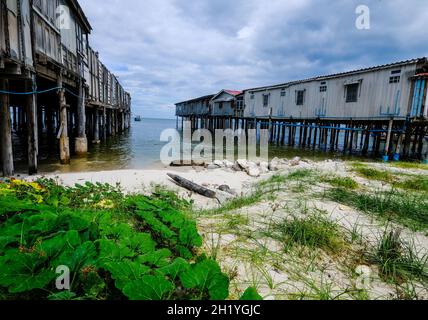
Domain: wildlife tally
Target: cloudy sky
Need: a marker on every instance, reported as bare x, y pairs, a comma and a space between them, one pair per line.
166, 51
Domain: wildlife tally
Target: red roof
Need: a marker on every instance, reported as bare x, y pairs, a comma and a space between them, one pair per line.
233, 92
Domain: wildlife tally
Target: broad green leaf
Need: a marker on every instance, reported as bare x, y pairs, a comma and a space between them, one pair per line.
52, 247
157, 226
174, 269
184, 252
149, 288
64, 295
76, 259
140, 242
20, 272
111, 251
9, 204
207, 276
158, 258
189, 236
251, 294
125, 272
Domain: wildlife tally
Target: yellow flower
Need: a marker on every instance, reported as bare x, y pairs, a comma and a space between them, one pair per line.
36, 186
105, 204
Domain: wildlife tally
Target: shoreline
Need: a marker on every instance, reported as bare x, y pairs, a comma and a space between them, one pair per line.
248, 238
143, 180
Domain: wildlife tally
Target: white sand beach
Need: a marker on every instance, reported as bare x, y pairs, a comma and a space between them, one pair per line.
142, 181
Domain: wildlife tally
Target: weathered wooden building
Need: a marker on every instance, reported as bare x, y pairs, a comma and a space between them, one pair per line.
225, 103
377, 92
212, 111
382, 109
52, 82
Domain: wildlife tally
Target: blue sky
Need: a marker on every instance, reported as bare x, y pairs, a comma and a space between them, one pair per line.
166, 51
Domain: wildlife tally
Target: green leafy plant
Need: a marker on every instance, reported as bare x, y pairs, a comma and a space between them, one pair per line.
115, 246
251, 294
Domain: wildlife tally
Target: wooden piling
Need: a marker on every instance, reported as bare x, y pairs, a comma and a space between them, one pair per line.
32, 131
96, 126
64, 143
104, 123
6, 132
388, 137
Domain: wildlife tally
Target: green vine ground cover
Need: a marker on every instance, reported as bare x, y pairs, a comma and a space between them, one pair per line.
115, 246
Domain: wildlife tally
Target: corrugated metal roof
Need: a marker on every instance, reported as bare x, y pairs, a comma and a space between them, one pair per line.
197, 99
347, 73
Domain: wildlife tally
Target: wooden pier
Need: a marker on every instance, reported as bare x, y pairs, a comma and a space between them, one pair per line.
52, 84
379, 111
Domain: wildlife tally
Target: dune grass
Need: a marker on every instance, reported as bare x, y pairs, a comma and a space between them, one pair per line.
313, 232
341, 182
414, 183
398, 261
409, 165
410, 210
372, 173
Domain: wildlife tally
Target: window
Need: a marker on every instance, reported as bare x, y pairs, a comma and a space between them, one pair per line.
283, 93
300, 97
352, 92
220, 105
323, 89
240, 103
265, 100
396, 72
394, 79
252, 96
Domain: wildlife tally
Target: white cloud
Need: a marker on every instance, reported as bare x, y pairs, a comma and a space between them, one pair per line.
170, 50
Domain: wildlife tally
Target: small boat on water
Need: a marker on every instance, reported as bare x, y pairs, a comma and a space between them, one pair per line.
138, 119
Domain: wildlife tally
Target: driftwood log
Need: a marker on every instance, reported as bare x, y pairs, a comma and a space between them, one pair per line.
191, 186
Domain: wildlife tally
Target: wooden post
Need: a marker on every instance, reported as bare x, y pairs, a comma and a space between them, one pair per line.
104, 123
96, 127
315, 135
6, 132
367, 140
422, 135
32, 132
123, 121
283, 133
113, 122
388, 138
15, 118
64, 143
305, 133
81, 142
